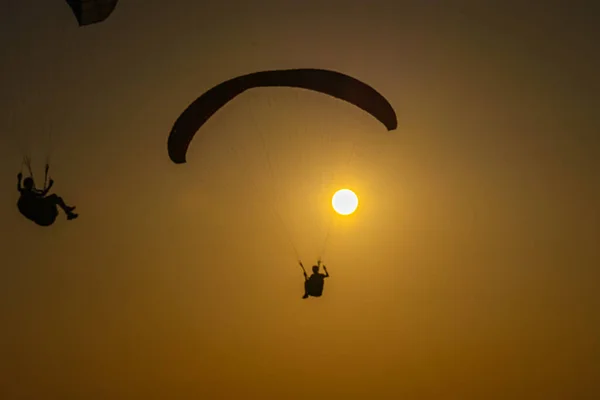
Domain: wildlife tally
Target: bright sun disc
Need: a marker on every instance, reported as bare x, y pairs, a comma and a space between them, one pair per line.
344, 202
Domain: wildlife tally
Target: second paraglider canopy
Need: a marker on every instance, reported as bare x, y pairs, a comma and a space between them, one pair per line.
90, 12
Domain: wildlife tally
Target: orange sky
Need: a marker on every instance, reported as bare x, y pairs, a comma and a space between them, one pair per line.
470, 270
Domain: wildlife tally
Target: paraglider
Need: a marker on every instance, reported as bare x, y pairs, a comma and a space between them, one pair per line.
90, 12
313, 285
36, 205
331, 83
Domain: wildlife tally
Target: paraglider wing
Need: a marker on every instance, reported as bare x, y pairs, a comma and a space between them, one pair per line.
332, 83
90, 12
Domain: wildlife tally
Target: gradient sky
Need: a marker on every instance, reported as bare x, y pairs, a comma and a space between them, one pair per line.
470, 271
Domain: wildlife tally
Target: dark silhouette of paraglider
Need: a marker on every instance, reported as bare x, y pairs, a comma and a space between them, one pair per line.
36, 205
313, 285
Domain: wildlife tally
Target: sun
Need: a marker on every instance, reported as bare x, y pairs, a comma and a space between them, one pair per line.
344, 202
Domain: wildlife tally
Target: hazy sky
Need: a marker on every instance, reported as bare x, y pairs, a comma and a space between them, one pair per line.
470, 271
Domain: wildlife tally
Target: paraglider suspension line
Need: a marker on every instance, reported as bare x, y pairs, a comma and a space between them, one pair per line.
270, 166
327, 234
27, 163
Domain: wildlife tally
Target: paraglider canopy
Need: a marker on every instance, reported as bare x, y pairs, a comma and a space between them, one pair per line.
90, 12
332, 83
